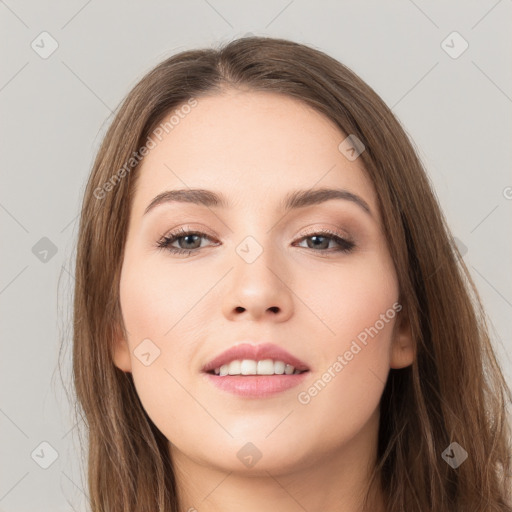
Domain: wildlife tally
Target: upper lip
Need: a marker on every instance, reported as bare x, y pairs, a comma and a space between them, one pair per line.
257, 353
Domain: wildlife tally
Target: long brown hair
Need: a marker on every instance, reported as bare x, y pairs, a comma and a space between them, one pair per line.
453, 392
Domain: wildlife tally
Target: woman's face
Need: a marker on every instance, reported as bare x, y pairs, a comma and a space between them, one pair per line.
258, 274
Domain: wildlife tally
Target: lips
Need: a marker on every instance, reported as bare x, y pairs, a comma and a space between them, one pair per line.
255, 352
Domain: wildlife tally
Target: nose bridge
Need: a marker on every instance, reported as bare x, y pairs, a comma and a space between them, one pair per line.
257, 261
257, 246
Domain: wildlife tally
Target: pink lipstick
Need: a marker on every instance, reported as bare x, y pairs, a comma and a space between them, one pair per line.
255, 371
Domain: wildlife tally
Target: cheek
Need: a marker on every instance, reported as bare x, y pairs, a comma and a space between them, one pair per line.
359, 306
156, 298
159, 309
352, 297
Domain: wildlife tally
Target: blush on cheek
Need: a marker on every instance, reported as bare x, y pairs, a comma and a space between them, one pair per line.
362, 348
149, 305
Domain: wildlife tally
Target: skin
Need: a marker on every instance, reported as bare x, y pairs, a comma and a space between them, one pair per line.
255, 147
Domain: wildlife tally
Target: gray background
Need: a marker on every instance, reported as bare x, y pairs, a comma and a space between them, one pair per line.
457, 110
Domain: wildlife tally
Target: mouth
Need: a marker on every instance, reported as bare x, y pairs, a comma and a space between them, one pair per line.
255, 371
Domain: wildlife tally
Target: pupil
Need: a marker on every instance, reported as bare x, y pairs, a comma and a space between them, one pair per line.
317, 238
190, 236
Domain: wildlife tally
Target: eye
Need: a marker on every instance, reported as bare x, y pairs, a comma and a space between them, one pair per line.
191, 241
321, 240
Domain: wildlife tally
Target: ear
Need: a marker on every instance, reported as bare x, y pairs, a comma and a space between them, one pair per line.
402, 347
121, 351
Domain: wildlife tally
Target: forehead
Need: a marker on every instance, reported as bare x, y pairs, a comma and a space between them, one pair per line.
254, 146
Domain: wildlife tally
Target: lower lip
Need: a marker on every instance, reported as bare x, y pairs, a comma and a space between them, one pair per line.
256, 386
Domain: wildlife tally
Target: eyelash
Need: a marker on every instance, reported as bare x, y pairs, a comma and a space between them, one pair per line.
346, 246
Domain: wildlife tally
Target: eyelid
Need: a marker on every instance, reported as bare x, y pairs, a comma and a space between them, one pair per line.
334, 230
187, 227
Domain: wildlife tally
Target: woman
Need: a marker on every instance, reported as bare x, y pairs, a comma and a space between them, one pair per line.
270, 309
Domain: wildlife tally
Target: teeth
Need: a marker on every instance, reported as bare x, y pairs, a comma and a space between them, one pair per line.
247, 367
234, 367
279, 367
265, 367
251, 367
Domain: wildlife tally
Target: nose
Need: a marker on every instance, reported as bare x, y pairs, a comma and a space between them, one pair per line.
259, 290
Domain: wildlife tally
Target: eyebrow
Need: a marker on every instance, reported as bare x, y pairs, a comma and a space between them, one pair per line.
293, 200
